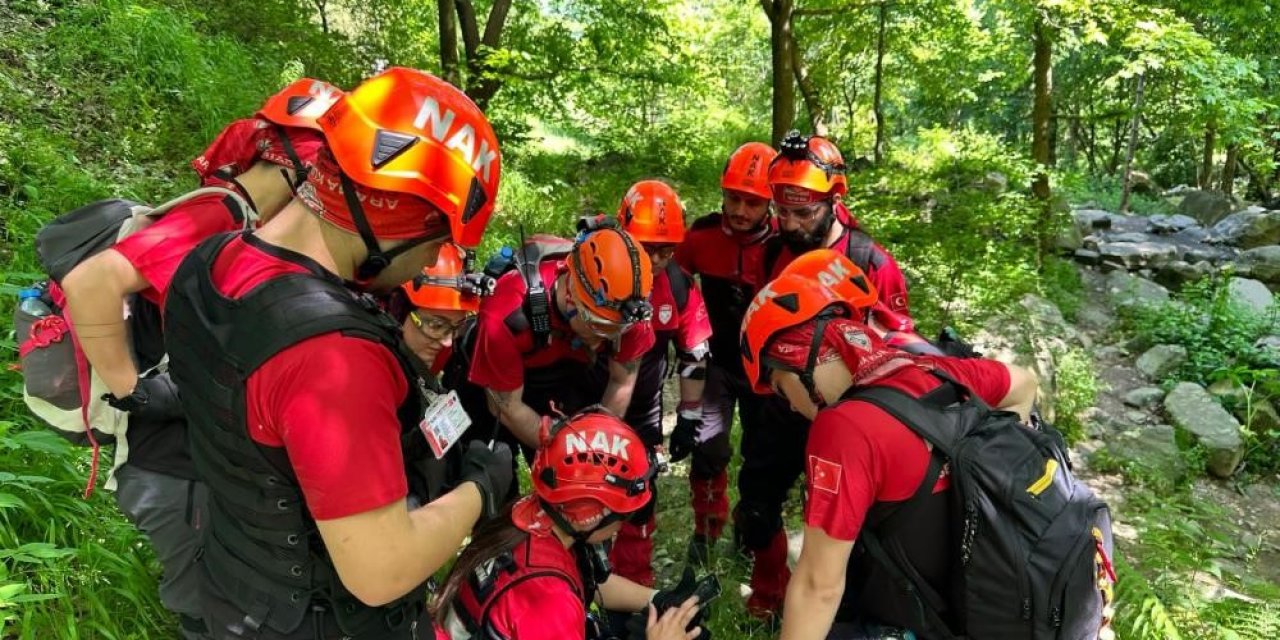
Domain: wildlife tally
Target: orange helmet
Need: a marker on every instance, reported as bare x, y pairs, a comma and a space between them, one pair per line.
300, 104
446, 286
833, 269
590, 470
651, 212
785, 302
610, 276
748, 169
808, 169
404, 131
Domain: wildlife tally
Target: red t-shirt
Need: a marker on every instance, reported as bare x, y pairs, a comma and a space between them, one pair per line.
346, 453
498, 348
858, 454
157, 250
690, 325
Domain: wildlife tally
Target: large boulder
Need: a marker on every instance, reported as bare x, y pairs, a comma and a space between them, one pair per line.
1126, 289
1144, 397
1161, 360
1087, 220
1250, 294
1191, 409
1032, 335
1248, 229
1250, 408
1152, 450
1261, 263
1163, 224
1206, 206
1178, 272
1138, 255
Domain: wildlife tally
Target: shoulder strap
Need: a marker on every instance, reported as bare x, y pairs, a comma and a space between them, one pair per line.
680, 283
772, 249
922, 415
862, 250
234, 202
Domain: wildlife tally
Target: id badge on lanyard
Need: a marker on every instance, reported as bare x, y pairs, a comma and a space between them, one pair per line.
444, 422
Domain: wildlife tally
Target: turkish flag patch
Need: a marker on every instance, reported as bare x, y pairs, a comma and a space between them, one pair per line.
824, 475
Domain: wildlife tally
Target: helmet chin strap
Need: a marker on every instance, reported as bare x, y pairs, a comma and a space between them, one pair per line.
811, 363
376, 259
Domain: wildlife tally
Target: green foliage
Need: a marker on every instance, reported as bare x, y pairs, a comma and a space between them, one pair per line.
966, 241
1076, 388
1219, 336
1103, 192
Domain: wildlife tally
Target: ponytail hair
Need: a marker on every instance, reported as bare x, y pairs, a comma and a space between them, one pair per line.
491, 539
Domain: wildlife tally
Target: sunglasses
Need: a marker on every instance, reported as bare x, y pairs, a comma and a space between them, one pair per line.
436, 327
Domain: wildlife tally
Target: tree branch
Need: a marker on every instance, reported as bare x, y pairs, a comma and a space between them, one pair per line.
470, 30
496, 23
840, 10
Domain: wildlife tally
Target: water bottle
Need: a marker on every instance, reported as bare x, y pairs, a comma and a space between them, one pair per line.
31, 302
500, 262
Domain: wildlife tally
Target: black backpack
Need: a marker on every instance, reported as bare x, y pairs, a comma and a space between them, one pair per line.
1030, 544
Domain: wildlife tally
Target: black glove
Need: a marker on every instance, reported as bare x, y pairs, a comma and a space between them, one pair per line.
155, 398
491, 471
684, 438
706, 588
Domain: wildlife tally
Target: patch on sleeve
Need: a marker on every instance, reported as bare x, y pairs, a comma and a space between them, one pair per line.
824, 475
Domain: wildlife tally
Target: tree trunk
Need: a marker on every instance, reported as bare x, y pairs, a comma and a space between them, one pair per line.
449, 43
1227, 186
1133, 143
1042, 108
1206, 162
784, 93
321, 6
877, 105
482, 83
808, 90
1117, 143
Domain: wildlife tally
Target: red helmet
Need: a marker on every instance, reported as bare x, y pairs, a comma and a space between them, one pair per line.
446, 285
589, 466
406, 132
808, 169
835, 270
786, 302
652, 213
300, 103
748, 169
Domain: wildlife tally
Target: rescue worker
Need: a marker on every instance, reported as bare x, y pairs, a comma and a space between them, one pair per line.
535, 572
807, 182
436, 306
802, 340
653, 214
725, 250
538, 335
299, 389
156, 485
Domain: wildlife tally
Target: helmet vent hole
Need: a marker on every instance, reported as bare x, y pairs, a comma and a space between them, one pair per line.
582, 457
613, 461
568, 459
624, 468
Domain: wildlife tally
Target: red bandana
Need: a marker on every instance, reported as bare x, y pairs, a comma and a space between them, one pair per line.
244, 142
391, 215
861, 350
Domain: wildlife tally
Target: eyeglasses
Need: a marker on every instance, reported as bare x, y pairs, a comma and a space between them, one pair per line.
598, 326
800, 214
436, 327
660, 251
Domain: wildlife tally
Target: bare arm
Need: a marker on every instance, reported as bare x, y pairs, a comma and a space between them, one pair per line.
1022, 391
813, 595
519, 417
622, 382
384, 553
96, 290
621, 594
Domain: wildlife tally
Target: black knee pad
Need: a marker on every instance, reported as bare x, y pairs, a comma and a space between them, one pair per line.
755, 526
711, 457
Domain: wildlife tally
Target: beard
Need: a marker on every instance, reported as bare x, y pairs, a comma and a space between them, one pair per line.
799, 241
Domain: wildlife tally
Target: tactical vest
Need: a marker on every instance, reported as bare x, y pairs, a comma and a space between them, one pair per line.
261, 548
534, 557
727, 302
